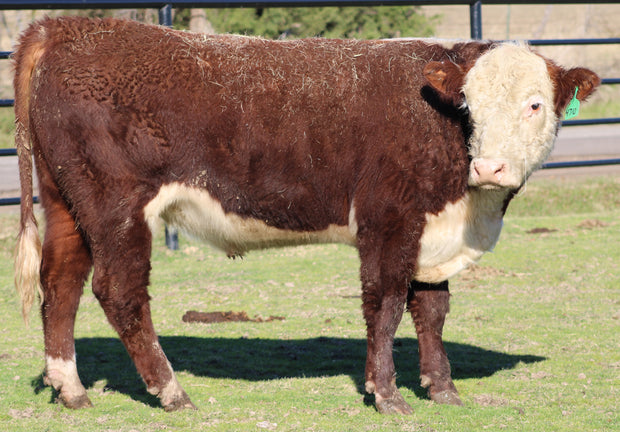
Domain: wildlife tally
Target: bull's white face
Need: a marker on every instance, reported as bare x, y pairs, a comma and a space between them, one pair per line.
509, 94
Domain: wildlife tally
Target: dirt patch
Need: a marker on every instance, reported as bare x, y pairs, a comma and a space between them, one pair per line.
21, 414
592, 223
490, 401
471, 276
542, 230
476, 272
221, 317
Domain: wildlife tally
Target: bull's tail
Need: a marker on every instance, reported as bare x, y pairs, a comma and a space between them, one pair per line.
28, 249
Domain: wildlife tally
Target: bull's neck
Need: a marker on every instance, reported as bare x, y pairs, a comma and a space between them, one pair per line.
488, 203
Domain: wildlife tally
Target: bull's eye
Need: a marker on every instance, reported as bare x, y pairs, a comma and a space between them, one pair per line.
533, 108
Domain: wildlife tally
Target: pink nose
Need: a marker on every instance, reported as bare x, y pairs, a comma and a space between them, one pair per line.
488, 171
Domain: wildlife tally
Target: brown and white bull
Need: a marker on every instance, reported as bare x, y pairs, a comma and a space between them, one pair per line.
408, 150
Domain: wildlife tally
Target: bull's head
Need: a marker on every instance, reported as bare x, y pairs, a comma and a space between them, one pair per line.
515, 99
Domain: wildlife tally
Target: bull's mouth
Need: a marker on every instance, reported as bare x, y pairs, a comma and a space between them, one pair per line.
487, 186
492, 186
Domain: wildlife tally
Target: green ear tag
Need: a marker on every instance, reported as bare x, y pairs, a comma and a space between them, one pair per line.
573, 107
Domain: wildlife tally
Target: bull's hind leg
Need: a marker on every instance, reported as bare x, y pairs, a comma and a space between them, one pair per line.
429, 304
65, 266
120, 280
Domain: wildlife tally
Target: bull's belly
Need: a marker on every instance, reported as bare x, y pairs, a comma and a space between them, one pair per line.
199, 215
452, 240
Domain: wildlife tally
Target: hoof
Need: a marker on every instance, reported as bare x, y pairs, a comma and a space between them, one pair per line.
77, 402
180, 403
447, 397
394, 405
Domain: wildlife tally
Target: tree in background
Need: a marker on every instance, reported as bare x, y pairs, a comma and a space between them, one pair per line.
330, 22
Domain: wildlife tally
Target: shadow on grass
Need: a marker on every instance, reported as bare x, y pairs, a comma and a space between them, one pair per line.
264, 359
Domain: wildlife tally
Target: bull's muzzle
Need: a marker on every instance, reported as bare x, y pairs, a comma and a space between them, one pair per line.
491, 174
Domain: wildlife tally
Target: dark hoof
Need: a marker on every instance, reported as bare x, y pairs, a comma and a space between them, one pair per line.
179, 404
78, 402
394, 405
447, 397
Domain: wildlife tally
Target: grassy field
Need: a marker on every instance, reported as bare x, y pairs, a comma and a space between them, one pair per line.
7, 128
532, 335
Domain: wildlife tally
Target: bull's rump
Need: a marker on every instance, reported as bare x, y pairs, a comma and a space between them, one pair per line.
290, 133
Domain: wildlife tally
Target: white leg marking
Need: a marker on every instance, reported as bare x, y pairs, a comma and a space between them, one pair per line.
63, 376
172, 390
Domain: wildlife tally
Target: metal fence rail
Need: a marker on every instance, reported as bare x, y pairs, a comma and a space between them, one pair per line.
475, 15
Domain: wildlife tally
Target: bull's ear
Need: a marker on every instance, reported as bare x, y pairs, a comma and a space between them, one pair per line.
585, 79
447, 78
566, 81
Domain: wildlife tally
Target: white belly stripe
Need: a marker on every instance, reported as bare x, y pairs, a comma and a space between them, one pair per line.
198, 214
452, 240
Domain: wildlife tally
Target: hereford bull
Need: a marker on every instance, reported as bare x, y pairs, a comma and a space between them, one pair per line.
408, 150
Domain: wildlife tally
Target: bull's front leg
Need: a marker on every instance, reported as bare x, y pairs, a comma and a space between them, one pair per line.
383, 314
429, 304
384, 294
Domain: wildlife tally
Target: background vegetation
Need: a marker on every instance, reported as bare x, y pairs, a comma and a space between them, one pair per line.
7, 128
331, 22
532, 335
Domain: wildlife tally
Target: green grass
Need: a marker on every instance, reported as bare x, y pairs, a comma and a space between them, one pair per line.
532, 335
600, 109
7, 128
603, 104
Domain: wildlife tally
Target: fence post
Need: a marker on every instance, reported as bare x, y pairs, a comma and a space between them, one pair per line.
172, 238
165, 15
475, 19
